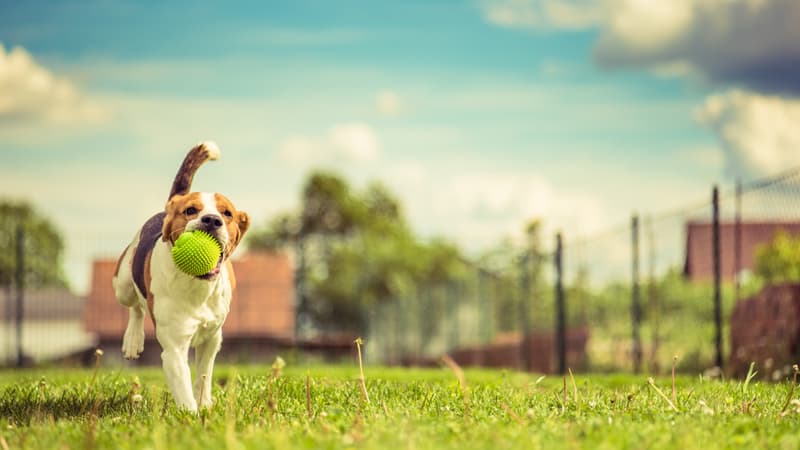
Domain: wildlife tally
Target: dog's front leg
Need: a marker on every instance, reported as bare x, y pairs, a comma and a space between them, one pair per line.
175, 360
205, 354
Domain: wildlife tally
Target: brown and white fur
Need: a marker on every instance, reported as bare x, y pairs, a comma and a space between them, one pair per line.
187, 311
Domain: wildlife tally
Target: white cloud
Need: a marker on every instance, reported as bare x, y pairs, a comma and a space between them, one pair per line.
759, 134
543, 14
30, 92
344, 143
749, 42
480, 208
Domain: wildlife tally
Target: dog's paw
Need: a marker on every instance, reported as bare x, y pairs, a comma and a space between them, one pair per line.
133, 344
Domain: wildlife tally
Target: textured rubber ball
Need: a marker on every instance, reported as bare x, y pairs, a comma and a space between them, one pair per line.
196, 252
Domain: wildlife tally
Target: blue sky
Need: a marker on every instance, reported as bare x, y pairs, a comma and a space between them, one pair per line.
478, 114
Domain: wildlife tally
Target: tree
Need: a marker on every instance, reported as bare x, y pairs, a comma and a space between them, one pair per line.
43, 249
354, 251
779, 261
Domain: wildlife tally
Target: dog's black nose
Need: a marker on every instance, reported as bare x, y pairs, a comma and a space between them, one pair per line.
211, 221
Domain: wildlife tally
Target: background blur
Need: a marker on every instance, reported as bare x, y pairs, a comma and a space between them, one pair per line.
408, 166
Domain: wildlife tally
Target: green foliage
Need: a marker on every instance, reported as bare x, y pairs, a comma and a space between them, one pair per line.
356, 251
677, 319
507, 268
255, 408
779, 261
43, 250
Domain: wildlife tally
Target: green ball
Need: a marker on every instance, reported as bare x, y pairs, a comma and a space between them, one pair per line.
196, 252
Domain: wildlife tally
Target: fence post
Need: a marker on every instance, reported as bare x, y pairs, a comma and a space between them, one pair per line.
737, 241
717, 278
20, 282
525, 294
636, 350
454, 335
299, 288
561, 322
485, 316
654, 313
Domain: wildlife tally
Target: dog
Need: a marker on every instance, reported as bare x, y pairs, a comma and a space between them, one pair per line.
187, 311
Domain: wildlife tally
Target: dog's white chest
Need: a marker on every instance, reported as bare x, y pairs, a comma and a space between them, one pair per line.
200, 306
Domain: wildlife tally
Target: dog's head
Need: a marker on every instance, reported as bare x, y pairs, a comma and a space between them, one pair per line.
210, 212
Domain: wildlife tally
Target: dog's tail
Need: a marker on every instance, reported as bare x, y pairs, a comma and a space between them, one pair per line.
198, 155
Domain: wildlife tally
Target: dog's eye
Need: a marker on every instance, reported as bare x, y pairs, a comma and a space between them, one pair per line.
190, 211
228, 213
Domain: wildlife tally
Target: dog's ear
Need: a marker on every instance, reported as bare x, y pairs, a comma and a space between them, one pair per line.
242, 224
243, 219
170, 220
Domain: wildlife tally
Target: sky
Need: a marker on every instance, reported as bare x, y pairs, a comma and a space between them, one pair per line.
479, 115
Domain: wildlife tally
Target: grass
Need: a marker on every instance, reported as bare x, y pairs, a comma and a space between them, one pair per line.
324, 407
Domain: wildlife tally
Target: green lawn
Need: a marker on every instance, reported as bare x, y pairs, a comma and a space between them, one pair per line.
413, 409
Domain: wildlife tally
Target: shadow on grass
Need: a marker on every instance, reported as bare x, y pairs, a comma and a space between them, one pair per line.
31, 402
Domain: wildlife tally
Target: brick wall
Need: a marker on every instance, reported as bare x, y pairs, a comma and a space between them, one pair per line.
766, 329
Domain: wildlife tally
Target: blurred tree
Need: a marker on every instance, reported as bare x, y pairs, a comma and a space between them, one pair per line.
329, 207
504, 262
354, 251
43, 246
779, 261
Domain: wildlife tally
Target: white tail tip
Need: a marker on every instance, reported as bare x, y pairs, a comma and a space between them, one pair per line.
212, 149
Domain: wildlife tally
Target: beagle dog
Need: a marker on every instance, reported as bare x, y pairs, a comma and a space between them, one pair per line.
187, 311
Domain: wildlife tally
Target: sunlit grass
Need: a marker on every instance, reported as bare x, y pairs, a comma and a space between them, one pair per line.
323, 407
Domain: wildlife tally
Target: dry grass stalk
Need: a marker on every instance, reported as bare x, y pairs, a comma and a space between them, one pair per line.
791, 390
462, 381
512, 414
98, 355
361, 380
674, 363
308, 395
575, 391
652, 384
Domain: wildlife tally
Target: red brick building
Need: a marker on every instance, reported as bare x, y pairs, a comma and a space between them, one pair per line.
261, 319
699, 264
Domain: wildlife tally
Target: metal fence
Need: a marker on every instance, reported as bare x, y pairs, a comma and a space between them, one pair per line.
659, 286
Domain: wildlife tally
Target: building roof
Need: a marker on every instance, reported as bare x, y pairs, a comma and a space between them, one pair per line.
699, 264
263, 305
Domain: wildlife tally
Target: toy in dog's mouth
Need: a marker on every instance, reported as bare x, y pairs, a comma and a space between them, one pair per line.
214, 272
